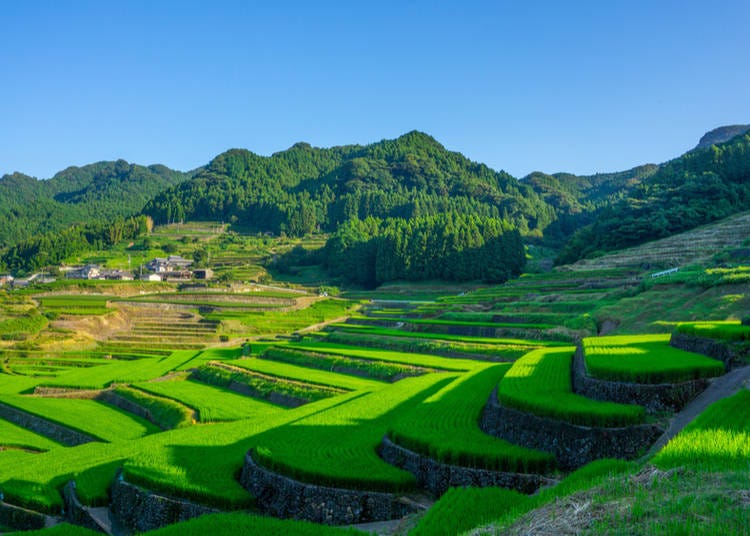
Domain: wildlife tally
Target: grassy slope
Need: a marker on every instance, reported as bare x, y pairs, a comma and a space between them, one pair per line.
697, 484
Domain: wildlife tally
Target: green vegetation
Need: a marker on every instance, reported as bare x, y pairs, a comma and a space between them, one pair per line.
248, 324
306, 374
728, 330
388, 215
58, 530
53, 247
261, 385
425, 344
718, 440
102, 191
645, 359
76, 304
459, 248
461, 509
92, 483
12, 436
304, 188
102, 376
338, 447
21, 327
420, 360
378, 370
249, 524
445, 427
88, 416
213, 404
697, 188
163, 412
540, 383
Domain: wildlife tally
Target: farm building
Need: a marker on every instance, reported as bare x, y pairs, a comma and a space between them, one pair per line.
173, 263
203, 273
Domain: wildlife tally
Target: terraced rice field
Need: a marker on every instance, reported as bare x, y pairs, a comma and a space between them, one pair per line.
213, 404
96, 419
76, 304
444, 428
210, 373
645, 359
731, 330
540, 383
16, 437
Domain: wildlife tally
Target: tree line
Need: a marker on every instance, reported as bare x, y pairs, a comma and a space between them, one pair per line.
451, 246
51, 248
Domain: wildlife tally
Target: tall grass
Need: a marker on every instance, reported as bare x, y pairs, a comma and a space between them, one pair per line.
718, 440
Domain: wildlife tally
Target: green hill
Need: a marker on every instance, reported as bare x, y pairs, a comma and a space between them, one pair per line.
701, 186
306, 188
99, 191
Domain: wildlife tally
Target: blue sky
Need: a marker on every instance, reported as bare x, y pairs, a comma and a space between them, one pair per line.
579, 86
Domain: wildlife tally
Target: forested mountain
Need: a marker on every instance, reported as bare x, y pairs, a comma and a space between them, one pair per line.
699, 187
576, 200
306, 188
369, 196
96, 192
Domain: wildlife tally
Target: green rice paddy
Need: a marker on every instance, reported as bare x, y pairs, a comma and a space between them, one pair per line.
645, 359
540, 383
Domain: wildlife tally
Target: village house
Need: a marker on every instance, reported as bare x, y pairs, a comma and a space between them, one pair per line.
90, 271
5, 279
116, 275
173, 263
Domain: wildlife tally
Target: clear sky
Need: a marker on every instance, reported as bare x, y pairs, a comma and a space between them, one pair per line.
523, 85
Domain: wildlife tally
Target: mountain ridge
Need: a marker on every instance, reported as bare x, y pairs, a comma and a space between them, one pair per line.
304, 189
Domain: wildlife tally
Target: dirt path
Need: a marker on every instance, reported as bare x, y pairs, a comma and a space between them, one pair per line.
321, 325
720, 388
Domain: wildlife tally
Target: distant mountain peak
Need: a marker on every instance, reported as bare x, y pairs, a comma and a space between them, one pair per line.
721, 135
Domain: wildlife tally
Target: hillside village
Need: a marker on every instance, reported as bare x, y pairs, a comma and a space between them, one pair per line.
173, 269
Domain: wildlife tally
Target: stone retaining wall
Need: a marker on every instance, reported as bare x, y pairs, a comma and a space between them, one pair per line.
654, 397
733, 354
142, 510
66, 392
284, 497
572, 445
57, 432
75, 512
114, 399
19, 518
437, 477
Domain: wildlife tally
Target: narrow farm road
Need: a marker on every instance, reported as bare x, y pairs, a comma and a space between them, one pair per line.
321, 325
720, 388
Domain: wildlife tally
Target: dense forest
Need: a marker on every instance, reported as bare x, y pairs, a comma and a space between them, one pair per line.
697, 188
51, 248
305, 189
78, 196
403, 209
451, 247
